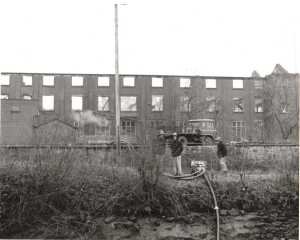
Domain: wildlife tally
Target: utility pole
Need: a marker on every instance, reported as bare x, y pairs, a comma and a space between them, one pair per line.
117, 87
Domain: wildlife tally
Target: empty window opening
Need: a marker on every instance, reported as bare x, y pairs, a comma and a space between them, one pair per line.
157, 82
48, 80
4, 80
77, 81
185, 82
128, 103
103, 81
103, 103
157, 103
258, 105
77, 103
27, 80
238, 105
48, 103
128, 82
237, 84
210, 83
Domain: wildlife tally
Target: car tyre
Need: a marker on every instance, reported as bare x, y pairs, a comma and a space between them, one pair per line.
183, 140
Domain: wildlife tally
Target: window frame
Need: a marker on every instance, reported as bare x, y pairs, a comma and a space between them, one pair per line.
124, 123
242, 129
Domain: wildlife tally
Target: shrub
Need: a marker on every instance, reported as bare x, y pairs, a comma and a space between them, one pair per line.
62, 194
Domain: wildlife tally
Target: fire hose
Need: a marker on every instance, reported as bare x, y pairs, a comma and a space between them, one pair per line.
201, 172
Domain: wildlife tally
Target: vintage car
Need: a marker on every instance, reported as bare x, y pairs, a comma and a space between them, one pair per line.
197, 132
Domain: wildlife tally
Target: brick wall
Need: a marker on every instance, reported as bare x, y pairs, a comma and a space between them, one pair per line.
17, 120
171, 90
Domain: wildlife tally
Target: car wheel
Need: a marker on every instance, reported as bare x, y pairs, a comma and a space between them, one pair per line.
183, 140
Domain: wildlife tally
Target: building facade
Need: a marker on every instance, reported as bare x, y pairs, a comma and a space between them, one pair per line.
152, 102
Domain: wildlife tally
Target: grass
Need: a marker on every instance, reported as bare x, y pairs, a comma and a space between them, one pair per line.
61, 193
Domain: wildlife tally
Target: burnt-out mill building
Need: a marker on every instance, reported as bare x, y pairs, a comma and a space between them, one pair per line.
40, 107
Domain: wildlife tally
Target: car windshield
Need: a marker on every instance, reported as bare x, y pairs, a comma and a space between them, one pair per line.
202, 125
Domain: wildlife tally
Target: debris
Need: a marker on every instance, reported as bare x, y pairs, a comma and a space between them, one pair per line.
132, 218
109, 219
170, 219
234, 212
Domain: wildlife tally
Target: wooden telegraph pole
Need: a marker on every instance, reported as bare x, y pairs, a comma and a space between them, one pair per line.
117, 87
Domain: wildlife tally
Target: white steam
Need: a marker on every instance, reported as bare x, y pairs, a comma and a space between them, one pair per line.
88, 117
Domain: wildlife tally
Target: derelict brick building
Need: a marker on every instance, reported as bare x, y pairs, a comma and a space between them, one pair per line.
152, 102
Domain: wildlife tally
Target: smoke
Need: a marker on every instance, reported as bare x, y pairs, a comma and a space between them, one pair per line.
88, 117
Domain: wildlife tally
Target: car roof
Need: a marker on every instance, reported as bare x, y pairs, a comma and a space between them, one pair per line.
201, 120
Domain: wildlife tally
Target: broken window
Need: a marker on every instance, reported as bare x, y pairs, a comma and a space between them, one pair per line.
103, 81
211, 104
210, 83
238, 130
128, 103
128, 82
237, 83
76, 103
77, 81
48, 80
185, 82
238, 105
258, 105
48, 103
27, 80
4, 80
184, 104
103, 103
157, 103
4, 96
27, 97
157, 82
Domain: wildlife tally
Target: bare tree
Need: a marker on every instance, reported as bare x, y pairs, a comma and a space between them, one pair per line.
194, 106
281, 106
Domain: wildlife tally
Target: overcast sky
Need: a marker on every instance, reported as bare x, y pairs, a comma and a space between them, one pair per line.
193, 37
